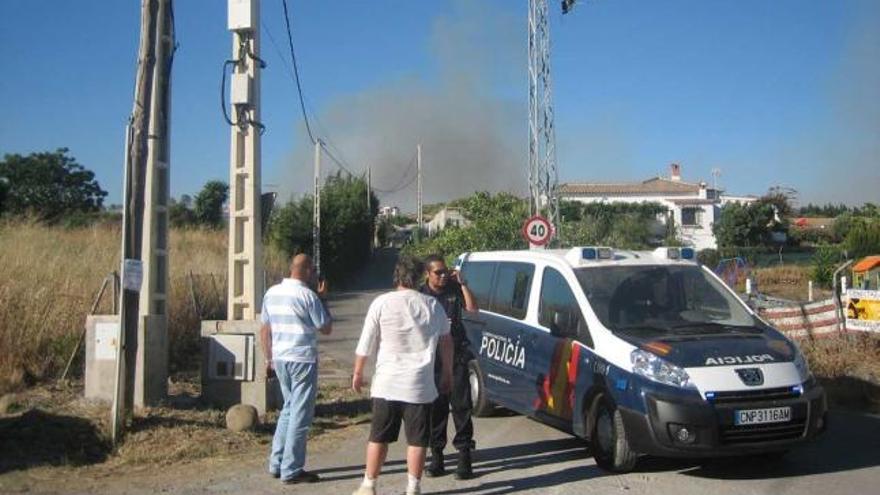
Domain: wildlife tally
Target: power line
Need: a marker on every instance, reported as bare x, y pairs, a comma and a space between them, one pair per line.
400, 184
299, 91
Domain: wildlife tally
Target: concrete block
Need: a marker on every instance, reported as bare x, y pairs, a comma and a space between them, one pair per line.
102, 342
151, 372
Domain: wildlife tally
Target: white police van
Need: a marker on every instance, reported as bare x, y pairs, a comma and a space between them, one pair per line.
637, 352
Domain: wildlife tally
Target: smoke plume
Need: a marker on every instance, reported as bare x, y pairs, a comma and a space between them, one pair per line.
472, 138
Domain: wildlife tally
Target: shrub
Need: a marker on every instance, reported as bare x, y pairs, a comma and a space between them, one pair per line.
825, 261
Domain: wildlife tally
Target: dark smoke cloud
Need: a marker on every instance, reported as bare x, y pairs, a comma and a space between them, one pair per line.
472, 139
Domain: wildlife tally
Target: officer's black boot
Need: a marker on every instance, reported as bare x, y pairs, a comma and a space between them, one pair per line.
436, 468
463, 470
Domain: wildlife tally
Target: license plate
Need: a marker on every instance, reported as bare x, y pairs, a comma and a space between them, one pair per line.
762, 416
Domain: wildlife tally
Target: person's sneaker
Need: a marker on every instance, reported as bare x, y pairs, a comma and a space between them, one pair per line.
437, 467
364, 490
275, 474
302, 477
463, 470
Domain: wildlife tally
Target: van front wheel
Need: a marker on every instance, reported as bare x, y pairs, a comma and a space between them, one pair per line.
480, 404
608, 439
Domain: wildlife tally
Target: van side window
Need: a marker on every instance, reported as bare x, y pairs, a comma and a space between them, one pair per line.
510, 294
478, 275
558, 309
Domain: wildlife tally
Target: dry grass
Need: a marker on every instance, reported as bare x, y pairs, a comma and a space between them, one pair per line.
856, 355
50, 276
54, 426
787, 282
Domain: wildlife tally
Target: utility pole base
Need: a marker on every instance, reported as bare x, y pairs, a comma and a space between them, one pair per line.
233, 368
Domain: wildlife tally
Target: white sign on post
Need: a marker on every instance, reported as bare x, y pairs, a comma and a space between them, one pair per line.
132, 274
537, 230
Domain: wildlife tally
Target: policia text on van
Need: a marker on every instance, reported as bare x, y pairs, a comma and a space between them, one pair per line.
638, 352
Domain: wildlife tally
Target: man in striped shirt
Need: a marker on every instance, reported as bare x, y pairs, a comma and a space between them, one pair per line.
292, 315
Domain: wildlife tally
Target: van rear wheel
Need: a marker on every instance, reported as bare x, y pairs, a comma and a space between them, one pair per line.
480, 404
608, 439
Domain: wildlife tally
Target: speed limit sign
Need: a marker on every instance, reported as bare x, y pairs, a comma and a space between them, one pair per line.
537, 230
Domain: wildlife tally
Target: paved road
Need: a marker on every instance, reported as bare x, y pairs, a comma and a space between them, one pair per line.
518, 456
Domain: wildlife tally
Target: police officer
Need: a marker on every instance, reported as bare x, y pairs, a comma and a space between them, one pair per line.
453, 294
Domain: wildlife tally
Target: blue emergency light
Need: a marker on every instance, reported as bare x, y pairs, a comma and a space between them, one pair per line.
687, 253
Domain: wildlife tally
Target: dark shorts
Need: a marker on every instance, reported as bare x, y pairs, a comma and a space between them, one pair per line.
387, 415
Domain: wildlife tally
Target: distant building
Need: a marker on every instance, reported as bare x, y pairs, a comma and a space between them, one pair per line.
693, 207
389, 211
446, 217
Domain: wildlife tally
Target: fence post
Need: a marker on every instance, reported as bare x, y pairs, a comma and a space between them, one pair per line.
810, 291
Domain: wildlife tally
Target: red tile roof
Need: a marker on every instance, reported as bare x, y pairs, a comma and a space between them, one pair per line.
867, 263
658, 186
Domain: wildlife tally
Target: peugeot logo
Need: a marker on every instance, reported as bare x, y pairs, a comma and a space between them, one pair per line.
751, 376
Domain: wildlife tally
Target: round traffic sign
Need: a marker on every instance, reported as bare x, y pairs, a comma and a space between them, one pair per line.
537, 230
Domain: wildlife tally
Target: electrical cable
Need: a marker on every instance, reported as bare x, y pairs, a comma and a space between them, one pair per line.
296, 72
241, 121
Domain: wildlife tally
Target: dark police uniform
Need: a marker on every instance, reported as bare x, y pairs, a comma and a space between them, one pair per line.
452, 300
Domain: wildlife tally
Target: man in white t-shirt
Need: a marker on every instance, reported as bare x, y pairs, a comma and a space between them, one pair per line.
404, 328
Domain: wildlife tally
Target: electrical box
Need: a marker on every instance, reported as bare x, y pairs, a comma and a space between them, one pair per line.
231, 357
242, 15
241, 89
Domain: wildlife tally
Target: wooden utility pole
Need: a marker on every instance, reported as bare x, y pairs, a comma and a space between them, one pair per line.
135, 173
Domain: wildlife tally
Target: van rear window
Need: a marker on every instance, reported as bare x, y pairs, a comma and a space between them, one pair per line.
478, 275
510, 294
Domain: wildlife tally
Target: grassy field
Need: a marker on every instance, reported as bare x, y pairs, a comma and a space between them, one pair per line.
50, 276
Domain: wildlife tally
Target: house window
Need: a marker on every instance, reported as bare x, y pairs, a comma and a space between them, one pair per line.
691, 216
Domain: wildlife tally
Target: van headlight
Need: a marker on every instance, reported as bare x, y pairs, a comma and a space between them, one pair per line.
659, 370
800, 362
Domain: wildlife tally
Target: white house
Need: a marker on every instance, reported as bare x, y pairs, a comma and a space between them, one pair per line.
389, 211
446, 217
692, 206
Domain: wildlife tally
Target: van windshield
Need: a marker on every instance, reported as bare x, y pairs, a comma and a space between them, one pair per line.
662, 299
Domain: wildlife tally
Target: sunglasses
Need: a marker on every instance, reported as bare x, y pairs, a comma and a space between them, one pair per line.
440, 273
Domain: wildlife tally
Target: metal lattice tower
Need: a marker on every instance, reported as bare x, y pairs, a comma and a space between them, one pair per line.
543, 178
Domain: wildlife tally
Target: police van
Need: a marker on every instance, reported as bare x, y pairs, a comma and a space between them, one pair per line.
636, 352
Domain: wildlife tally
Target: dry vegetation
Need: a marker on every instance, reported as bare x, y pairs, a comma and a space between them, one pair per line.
53, 428
50, 276
787, 282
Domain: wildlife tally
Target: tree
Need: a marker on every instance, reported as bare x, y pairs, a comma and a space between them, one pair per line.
209, 203
863, 238
748, 225
346, 226
621, 225
48, 185
180, 214
495, 224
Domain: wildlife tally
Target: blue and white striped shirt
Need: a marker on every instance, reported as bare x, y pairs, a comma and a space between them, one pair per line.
295, 313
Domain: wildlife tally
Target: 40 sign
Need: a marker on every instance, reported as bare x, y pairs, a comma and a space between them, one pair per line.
537, 230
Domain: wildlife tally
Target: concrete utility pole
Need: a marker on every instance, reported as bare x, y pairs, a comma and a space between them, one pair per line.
245, 239
419, 191
316, 210
133, 213
151, 380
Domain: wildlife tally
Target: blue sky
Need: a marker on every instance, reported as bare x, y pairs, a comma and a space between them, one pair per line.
781, 92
